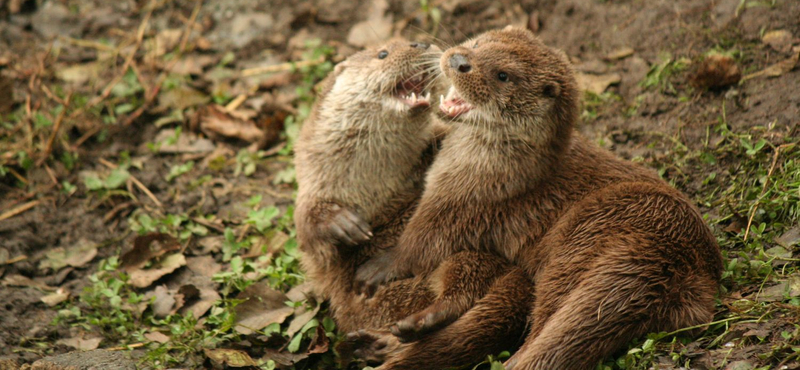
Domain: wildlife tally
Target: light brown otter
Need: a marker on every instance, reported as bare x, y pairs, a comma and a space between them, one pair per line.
361, 159
613, 250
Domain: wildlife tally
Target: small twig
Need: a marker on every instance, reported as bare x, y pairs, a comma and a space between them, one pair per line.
107, 91
56, 128
18, 210
135, 181
763, 190
235, 103
52, 175
190, 25
87, 43
50, 95
122, 348
16, 259
146, 191
283, 67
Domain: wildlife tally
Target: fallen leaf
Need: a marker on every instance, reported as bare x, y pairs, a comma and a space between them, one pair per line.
156, 336
779, 40
19, 280
300, 292
790, 238
620, 53
192, 64
147, 247
779, 68
164, 41
164, 301
143, 278
186, 142
789, 288
284, 359
53, 299
230, 357
301, 317
320, 343
209, 244
207, 298
203, 265
76, 256
716, 71
81, 343
181, 97
262, 306
597, 83
218, 125
783, 255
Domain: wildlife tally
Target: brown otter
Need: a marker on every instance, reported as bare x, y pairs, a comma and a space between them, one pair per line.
361, 159
613, 250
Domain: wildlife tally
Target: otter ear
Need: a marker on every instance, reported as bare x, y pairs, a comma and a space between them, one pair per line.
552, 90
509, 27
340, 67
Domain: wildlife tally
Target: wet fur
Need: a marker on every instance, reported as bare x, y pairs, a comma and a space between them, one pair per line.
613, 250
359, 153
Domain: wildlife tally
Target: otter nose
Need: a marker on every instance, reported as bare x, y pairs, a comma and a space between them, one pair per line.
420, 45
460, 63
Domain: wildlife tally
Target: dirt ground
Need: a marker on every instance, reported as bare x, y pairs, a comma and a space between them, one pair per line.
176, 118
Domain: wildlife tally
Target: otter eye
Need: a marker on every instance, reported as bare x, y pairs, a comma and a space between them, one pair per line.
502, 76
383, 54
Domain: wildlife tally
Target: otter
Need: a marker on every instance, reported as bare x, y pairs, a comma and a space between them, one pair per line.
360, 160
613, 251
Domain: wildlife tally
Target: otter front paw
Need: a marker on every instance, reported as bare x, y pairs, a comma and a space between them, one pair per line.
416, 326
346, 227
378, 271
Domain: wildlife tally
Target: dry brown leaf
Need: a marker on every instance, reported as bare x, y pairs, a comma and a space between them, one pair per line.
790, 238
193, 64
187, 142
596, 83
301, 317
156, 336
143, 278
320, 343
19, 280
207, 298
262, 306
779, 40
83, 344
164, 301
76, 256
300, 292
620, 53
779, 68
145, 248
284, 359
203, 265
53, 299
716, 71
230, 357
218, 124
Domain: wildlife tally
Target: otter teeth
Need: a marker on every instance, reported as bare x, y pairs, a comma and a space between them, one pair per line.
413, 98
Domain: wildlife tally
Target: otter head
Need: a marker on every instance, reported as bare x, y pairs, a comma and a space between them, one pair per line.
394, 76
508, 81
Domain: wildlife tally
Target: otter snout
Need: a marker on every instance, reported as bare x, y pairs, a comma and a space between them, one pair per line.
460, 63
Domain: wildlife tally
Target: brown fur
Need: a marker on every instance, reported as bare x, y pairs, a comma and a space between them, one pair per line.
613, 250
360, 161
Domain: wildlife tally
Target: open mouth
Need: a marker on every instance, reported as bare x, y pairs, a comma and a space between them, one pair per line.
453, 105
411, 92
